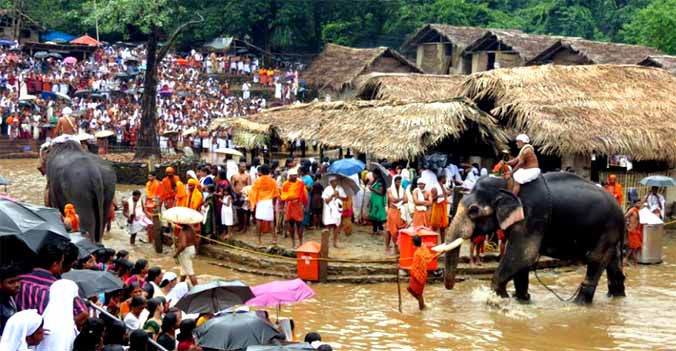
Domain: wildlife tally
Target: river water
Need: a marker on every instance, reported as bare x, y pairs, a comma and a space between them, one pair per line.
470, 317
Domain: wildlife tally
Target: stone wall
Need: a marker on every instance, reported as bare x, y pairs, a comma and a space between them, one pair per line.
136, 173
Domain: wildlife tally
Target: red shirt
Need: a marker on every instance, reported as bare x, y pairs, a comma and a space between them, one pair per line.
185, 344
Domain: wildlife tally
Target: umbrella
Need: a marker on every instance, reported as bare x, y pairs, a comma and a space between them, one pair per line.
170, 133
660, 181
93, 283
24, 229
7, 42
235, 331
214, 296
290, 347
63, 96
27, 97
182, 215
83, 92
40, 54
54, 55
280, 293
121, 75
347, 166
348, 184
70, 60
132, 59
384, 174
104, 134
189, 131
85, 246
228, 151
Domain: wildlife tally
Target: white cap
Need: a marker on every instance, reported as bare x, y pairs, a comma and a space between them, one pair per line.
168, 276
67, 111
293, 172
523, 138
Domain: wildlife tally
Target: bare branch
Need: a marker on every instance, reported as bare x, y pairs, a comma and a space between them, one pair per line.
165, 49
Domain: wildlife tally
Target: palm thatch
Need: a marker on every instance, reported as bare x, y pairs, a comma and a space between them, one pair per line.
460, 36
338, 66
662, 61
408, 86
609, 109
527, 46
597, 52
245, 133
393, 130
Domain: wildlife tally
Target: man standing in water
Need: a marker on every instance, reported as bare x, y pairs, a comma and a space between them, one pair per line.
421, 257
239, 181
185, 252
261, 198
525, 167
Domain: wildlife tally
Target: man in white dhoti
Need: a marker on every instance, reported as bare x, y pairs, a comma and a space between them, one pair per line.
525, 166
137, 218
656, 202
333, 207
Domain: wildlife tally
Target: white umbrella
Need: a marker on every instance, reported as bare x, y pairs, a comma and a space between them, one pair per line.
104, 134
27, 97
63, 96
182, 215
189, 131
228, 151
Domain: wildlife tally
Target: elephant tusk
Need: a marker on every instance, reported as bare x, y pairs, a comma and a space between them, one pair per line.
448, 246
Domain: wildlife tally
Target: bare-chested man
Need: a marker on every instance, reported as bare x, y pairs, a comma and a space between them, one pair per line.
239, 181
525, 166
185, 252
66, 124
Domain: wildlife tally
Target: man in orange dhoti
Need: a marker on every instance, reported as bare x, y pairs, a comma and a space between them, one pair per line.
614, 188
421, 257
421, 202
152, 190
634, 232
261, 199
194, 201
294, 194
396, 200
171, 190
439, 216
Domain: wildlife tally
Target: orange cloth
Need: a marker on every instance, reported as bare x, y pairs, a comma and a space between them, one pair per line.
394, 222
439, 216
295, 196
152, 188
181, 196
265, 188
168, 193
421, 258
194, 200
616, 191
71, 216
635, 229
501, 235
420, 219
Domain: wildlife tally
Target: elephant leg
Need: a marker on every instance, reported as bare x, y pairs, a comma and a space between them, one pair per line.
597, 262
615, 276
521, 286
520, 255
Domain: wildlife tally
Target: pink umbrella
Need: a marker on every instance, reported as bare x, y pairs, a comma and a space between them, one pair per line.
70, 60
280, 293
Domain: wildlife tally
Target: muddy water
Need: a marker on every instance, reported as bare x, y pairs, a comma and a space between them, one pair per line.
365, 317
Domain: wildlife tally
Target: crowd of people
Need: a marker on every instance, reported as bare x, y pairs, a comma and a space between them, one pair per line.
103, 93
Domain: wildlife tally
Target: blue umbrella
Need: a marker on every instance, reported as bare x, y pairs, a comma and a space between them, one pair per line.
347, 166
660, 181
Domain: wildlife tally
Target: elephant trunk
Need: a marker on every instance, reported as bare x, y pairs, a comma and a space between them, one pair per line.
461, 227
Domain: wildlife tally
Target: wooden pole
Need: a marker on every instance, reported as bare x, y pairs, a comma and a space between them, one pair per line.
399, 288
324, 254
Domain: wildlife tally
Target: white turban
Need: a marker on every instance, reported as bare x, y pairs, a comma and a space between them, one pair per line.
67, 111
523, 138
19, 326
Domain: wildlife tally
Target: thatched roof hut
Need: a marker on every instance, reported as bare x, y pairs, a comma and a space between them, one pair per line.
336, 68
581, 51
527, 46
393, 130
607, 109
460, 36
245, 133
408, 86
666, 62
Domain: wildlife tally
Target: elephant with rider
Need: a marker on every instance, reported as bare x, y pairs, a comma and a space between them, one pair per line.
559, 215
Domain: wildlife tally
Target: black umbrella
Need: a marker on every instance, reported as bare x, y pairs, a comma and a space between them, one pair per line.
85, 246
93, 283
83, 92
382, 172
215, 296
236, 331
54, 55
41, 54
289, 347
24, 229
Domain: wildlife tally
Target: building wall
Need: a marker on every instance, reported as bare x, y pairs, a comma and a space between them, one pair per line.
568, 57
6, 33
508, 59
580, 163
432, 58
389, 65
479, 61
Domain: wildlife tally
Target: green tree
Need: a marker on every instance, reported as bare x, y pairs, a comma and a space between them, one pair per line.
654, 26
152, 19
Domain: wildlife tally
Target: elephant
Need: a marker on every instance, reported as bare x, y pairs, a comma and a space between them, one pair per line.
83, 179
559, 215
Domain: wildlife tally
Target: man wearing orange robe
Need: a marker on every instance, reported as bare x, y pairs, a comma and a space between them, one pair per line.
439, 215
171, 190
195, 197
152, 190
634, 232
261, 199
294, 194
418, 274
614, 188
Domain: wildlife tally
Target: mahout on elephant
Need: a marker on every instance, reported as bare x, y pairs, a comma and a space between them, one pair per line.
81, 178
559, 215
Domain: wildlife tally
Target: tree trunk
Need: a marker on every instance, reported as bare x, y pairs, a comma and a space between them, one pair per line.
147, 143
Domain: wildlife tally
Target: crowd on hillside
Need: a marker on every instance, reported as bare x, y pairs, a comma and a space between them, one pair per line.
103, 92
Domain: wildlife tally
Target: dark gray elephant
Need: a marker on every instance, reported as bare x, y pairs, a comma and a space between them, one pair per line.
559, 215
83, 179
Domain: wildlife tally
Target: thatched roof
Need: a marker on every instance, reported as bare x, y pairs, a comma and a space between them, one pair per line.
662, 61
408, 86
460, 36
597, 52
338, 66
526, 45
245, 133
609, 109
393, 130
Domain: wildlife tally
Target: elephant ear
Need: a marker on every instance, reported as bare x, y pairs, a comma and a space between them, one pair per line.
508, 209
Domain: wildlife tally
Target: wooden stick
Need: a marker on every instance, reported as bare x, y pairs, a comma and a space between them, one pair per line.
399, 289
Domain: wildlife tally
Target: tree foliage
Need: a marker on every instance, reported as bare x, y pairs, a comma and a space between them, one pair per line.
654, 26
